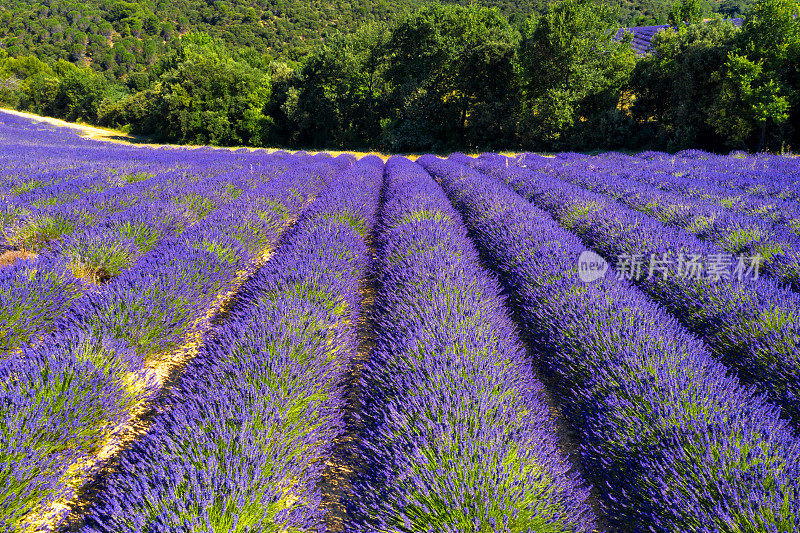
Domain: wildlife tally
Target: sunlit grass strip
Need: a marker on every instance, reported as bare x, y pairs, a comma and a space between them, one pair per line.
457, 436
752, 325
674, 442
242, 443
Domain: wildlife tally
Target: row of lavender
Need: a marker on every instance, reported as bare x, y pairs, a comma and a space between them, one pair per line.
69, 395
763, 186
752, 324
46, 168
36, 290
455, 434
674, 443
737, 178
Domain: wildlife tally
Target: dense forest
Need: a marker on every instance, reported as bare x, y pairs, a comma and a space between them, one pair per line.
124, 36
400, 77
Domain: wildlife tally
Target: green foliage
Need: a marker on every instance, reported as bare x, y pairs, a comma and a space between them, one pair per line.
335, 98
770, 29
206, 96
38, 233
120, 36
450, 77
379, 75
572, 70
674, 88
688, 12
79, 93
747, 100
99, 259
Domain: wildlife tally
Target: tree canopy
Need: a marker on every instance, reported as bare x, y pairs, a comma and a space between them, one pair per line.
443, 77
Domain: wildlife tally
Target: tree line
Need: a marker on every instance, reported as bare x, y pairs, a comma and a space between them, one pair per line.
452, 77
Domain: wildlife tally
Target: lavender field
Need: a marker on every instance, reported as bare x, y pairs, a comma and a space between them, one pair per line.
195, 339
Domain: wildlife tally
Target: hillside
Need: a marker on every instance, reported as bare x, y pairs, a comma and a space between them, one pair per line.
123, 36
120, 36
444, 78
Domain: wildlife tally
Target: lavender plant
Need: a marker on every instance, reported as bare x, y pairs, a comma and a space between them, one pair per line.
734, 231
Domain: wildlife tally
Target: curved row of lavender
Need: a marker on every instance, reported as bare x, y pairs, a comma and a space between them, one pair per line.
761, 175
44, 167
457, 435
763, 185
753, 325
68, 396
735, 232
673, 443
242, 442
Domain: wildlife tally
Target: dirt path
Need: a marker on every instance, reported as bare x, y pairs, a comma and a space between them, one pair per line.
88, 132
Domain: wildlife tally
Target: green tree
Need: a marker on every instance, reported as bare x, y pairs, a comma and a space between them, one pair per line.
759, 82
748, 100
770, 29
337, 95
205, 96
687, 12
79, 94
450, 72
673, 86
573, 70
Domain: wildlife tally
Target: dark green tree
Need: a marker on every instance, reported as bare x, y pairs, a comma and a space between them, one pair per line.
747, 100
573, 71
79, 94
336, 98
759, 86
674, 88
451, 79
